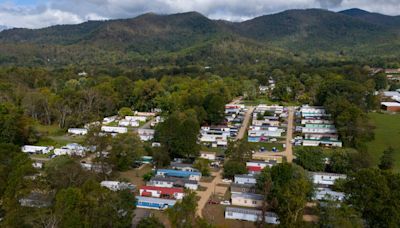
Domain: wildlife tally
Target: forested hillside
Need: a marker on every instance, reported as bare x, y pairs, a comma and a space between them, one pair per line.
192, 39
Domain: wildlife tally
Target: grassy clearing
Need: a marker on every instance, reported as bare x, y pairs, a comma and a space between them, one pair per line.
218, 150
52, 135
387, 133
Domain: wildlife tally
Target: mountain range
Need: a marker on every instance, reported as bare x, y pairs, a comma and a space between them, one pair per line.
188, 37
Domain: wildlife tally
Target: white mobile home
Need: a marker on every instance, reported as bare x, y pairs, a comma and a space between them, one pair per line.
78, 131
136, 118
37, 149
146, 134
326, 179
208, 155
117, 186
245, 179
119, 130
250, 215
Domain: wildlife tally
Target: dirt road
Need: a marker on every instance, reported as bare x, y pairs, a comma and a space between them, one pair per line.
205, 195
245, 123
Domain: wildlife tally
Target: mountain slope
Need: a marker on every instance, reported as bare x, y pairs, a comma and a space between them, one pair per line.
189, 38
373, 18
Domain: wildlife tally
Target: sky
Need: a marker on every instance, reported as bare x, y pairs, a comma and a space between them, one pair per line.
43, 13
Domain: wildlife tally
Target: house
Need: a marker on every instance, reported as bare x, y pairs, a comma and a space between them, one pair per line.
258, 133
328, 194
313, 111
128, 123
146, 134
247, 199
183, 166
78, 131
243, 188
319, 128
179, 173
118, 130
117, 186
36, 200
391, 106
326, 179
312, 120
162, 192
154, 203
170, 182
250, 215
245, 179
37, 149
208, 155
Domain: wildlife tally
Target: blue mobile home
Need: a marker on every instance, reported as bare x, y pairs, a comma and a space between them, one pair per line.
154, 203
179, 173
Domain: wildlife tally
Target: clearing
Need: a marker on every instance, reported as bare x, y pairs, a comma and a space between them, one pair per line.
387, 133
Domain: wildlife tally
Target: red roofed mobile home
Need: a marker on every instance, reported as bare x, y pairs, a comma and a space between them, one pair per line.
162, 192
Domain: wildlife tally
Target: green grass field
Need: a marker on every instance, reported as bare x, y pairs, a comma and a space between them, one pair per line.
267, 146
387, 133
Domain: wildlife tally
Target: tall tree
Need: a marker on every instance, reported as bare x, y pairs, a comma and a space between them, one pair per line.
387, 159
125, 150
310, 158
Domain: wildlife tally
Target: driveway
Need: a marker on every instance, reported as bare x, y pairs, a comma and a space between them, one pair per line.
211, 188
245, 124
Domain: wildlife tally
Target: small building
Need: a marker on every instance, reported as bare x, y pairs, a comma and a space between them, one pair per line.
162, 192
170, 182
245, 179
242, 188
247, 199
183, 167
96, 167
250, 215
77, 131
391, 106
118, 130
179, 173
326, 179
117, 186
208, 155
154, 203
37, 149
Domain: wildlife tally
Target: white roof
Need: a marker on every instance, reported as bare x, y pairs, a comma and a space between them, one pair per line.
391, 104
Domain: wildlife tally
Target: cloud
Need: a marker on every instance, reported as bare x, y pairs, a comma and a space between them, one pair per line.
50, 12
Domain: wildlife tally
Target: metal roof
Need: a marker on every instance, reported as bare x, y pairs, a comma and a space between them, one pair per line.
247, 196
249, 211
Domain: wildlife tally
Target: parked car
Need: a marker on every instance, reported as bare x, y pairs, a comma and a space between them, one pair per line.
212, 202
226, 202
227, 181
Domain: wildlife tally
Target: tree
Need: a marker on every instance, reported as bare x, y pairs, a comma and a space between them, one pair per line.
125, 111
183, 214
387, 159
70, 207
375, 194
150, 222
310, 158
231, 168
333, 215
178, 135
125, 150
289, 190
214, 105
202, 165
14, 126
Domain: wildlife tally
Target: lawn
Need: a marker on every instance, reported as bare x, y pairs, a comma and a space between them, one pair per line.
52, 135
387, 133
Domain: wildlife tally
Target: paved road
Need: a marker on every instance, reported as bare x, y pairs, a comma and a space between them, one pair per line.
205, 195
245, 124
288, 153
147, 125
